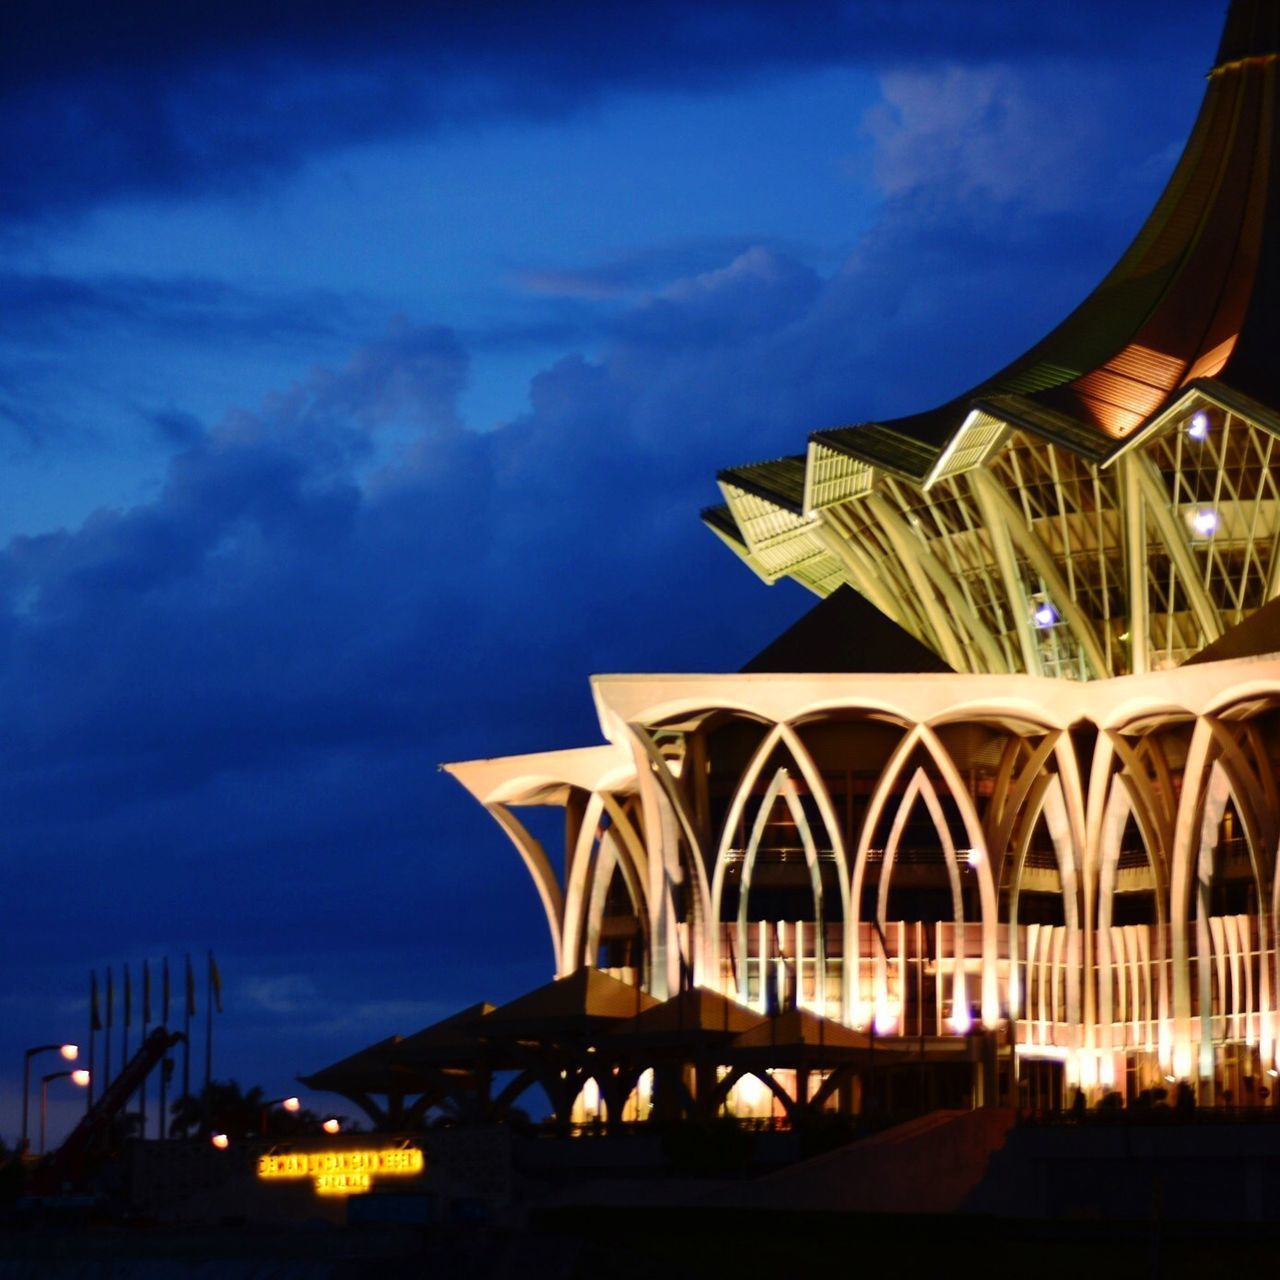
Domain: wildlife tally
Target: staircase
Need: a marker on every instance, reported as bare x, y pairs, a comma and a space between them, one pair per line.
66, 1167
927, 1165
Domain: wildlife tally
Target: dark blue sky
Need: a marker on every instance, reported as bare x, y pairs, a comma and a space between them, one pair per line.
363, 368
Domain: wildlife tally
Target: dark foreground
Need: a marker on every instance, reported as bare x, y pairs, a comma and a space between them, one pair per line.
647, 1244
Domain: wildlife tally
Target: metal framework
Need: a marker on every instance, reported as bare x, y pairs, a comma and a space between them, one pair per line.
1017, 553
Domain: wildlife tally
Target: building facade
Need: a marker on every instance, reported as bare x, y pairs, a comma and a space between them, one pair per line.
1060, 832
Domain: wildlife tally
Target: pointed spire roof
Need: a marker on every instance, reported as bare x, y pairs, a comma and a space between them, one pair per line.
1195, 298
696, 1011
797, 1028
1252, 31
442, 1040
585, 998
370, 1070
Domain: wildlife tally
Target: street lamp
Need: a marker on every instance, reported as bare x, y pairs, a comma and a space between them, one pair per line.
291, 1105
68, 1051
80, 1077
332, 1125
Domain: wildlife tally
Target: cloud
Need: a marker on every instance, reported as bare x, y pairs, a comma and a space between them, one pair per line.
285, 995
224, 703
140, 98
43, 308
643, 270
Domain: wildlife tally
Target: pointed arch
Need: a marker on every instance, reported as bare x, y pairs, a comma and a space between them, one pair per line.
986, 883
781, 786
882, 793
582, 867
921, 788
732, 819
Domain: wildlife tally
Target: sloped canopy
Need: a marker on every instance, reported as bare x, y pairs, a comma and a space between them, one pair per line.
801, 1028
845, 633
586, 999
694, 1013
371, 1070
1256, 637
446, 1042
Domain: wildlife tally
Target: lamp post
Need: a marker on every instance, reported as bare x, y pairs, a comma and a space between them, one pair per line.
68, 1051
291, 1104
79, 1077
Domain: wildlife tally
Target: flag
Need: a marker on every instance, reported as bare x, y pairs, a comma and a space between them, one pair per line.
215, 981
191, 990
95, 1016
111, 1000
164, 993
146, 994
128, 999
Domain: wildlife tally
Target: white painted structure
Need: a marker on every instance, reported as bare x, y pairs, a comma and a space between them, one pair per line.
1072, 840
1158, 792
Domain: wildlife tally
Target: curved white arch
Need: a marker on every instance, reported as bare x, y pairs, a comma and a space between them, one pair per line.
855, 1013
780, 785
534, 857
582, 863
986, 883
740, 796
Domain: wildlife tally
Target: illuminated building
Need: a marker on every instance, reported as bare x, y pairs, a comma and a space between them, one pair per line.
1017, 778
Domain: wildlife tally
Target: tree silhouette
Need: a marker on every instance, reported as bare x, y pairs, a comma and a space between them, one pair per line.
222, 1106
225, 1107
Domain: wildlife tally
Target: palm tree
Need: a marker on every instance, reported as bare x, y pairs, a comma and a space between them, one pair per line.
222, 1106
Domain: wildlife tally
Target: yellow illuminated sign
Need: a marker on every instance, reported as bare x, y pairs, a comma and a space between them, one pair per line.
341, 1173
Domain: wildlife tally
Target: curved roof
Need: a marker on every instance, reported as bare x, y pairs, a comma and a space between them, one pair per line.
1196, 296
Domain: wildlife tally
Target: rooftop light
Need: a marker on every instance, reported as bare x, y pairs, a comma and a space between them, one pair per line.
1205, 521
1198, 426
1045, 615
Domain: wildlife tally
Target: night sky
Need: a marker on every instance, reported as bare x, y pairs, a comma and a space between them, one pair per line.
363, 368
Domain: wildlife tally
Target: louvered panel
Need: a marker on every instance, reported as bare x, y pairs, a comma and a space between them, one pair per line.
1152, 367
832, 477
979, 437
822, 574
761, 522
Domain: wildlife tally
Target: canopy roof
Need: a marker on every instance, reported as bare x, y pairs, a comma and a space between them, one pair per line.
586, 998
696, 1011
1257, 636
845, 632
796, 1027
370, 1070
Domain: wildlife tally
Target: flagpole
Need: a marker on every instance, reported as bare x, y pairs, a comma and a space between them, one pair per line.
93, 1037
166, 1062
124, 1031
208, 1035
188, 1000
128, 1018
146, 1026
106, 1041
